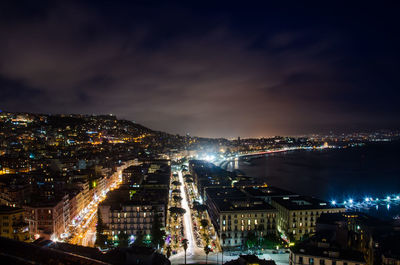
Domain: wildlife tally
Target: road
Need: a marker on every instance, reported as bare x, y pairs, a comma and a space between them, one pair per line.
195, 254
85, 229
193, 249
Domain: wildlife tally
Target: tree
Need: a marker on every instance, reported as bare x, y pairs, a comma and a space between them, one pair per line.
169, 250
176, 183
101, 239
271, 241
251, 240
177, 198
207, 251
223, 236
199, 207
177, 211
157, 234
305, 236
259, 230
185, 246
189, 180
204, 223
139, 240
123, 239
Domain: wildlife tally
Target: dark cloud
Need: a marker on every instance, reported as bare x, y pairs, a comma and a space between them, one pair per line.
185, 69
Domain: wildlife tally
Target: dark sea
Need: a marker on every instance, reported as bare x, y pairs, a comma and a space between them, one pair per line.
354, 173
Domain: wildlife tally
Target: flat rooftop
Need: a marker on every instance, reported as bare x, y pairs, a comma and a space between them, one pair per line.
142, 196
268, 191
302, 203
225, 192
233, 199
328, 252
225, 205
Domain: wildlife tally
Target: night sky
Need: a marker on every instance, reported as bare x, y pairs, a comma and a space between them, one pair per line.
206, 68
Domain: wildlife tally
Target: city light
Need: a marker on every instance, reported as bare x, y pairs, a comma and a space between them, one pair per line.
333, 202
351, 201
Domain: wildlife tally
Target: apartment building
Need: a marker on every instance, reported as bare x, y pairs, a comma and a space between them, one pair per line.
297, 216
234, 215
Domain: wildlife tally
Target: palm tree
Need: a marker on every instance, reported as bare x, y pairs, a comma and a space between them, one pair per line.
169, 249
185, 246
176, 191
175, 211
223, 236
177, 198
207, 250
189, 180
176, 183
204, 224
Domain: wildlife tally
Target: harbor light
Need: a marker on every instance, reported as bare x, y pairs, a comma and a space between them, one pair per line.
333, 202
351, 201
388, 198
367, 199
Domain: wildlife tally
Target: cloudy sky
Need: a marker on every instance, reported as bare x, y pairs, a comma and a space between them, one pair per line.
205, 68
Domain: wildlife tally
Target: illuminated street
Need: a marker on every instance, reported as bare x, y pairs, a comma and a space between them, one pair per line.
195, 254
85, 229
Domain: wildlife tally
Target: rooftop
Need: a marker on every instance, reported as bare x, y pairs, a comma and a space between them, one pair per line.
246, 204
143, 196
268, 191
302, 203
8, 209
328, 252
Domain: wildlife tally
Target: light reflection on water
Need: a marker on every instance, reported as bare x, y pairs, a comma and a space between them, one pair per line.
370, 171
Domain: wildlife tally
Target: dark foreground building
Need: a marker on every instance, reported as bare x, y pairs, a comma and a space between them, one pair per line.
48, 252
250, 260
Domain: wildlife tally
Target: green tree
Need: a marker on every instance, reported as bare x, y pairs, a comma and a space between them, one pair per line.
139, 240
157, 234
207, 251
223, 236
169, 250
177, 211
259, 231
204, 223
176, 183
123, 239
177, 198
251, 240
185, 246
101, 239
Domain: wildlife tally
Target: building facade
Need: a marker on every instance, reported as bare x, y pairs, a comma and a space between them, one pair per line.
12, 223
235, 215
297, 216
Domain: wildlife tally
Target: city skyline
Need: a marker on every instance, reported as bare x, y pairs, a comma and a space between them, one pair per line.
226, 71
